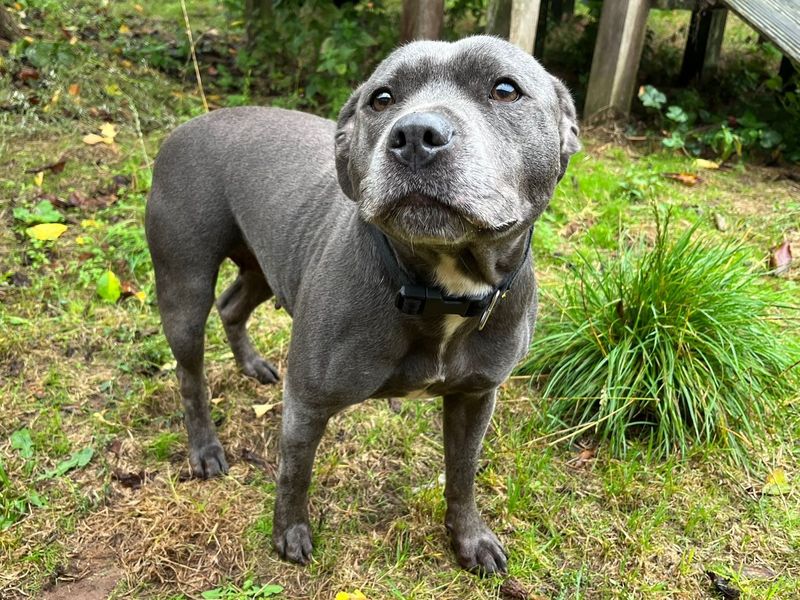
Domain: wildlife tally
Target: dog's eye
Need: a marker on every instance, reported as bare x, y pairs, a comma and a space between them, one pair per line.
505, 91
381, 100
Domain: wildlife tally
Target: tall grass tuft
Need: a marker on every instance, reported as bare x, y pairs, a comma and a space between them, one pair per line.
676, 343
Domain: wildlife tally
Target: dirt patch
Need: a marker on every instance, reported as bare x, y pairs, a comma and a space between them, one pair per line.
96, 583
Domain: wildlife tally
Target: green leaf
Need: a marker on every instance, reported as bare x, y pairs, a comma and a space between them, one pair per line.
44, 212
677, 114
270, 589
212, 594
76, 461
21, 440
651, 97
108, 287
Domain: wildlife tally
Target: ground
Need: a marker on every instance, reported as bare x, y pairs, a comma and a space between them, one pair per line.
93, 381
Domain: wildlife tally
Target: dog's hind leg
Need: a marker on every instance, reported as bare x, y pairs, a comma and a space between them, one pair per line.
185, 297
235, 305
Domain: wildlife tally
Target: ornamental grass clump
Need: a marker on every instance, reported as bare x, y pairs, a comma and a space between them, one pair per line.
676, 344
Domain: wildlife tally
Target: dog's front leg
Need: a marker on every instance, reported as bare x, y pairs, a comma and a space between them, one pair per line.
466, 418
301, 430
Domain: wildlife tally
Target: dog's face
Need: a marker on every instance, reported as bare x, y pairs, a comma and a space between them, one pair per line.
449, 143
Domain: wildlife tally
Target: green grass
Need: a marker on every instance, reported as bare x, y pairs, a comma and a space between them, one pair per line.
674, 343
78, 372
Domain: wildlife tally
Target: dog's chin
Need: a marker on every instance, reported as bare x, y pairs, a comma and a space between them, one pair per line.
420, 219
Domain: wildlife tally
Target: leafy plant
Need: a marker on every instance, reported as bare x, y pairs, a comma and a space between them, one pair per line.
674, 342
248, 591
43, 212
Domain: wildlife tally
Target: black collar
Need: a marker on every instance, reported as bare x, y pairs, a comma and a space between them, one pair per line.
415, 299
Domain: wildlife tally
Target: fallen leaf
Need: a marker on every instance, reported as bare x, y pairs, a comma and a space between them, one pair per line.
723, 586
354, 595
93, 138
127, 290
27, 74
38, 179
513, 590
253, 458
77, 460
262, 409
91, 224
108, 287
720, 223
55, 167
780, 258
108, 130
100, 417
776, 484
132, 480
753, 572
124, 29
141, 297
138, 8
46, 231
586, 456
74, 89
687, 179
702, 163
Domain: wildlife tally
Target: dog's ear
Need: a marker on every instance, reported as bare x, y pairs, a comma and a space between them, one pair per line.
567, 125
344, 134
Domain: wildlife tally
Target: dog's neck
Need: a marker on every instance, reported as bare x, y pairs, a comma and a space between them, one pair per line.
472, 270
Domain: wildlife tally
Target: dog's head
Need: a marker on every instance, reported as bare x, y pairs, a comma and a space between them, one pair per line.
453, 142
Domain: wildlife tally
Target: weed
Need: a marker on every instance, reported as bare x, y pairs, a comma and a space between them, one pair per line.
675, 341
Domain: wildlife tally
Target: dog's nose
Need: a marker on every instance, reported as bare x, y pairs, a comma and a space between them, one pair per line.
417, 138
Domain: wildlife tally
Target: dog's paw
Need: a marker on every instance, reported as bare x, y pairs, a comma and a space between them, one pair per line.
479, 551
208, 461
261, 370
294, 543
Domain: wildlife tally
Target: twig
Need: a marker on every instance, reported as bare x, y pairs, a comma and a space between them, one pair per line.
194, 55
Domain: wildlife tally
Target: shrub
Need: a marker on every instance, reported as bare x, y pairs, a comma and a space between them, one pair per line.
676, 342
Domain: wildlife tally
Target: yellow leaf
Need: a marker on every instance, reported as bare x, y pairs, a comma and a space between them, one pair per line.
702, 163
99, 416
262, 409
53, 101
354, 595
74, 89
776, 484
126, 63
92, 139
138, 8
140, 296
46, 231
29, 39
82, 240
124, 29
90, 224
38, 178
112, 89
108, 130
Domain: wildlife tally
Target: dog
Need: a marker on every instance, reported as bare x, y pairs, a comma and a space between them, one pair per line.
398, 238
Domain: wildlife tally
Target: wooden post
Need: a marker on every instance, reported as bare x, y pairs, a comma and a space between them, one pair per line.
422, 20
524, 19
498, 18
541, 29
617, 52
704, 43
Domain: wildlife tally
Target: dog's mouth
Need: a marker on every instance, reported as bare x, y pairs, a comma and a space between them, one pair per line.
423, 206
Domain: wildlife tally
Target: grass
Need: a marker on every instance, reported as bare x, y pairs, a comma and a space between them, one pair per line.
78, 372
675, 343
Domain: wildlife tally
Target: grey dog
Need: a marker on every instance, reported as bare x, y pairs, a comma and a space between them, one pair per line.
402, 256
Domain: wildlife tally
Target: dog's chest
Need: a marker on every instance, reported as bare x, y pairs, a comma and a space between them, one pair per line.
442, 364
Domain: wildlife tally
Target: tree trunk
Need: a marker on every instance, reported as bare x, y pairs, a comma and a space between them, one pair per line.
422, 20
9, 30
